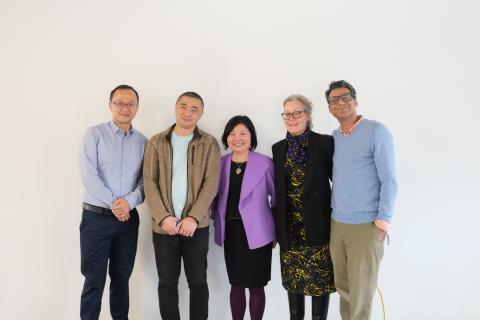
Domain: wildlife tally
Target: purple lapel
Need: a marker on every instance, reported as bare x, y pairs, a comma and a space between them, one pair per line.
227, 162
254, 172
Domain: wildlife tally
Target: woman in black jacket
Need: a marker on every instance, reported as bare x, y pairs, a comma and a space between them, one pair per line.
303, 170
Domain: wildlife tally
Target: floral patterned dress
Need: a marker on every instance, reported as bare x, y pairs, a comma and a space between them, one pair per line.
305, 269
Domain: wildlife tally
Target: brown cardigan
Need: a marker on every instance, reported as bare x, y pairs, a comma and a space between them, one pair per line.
203, 170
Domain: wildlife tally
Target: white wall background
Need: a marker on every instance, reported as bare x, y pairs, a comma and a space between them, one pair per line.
416, 68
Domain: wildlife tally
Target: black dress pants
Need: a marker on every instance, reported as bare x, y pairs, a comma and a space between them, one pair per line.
169, 250
105, 243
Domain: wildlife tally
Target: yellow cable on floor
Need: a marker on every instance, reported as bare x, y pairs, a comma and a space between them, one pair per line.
383, 303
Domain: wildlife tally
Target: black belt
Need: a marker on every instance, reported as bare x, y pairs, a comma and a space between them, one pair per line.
96, 209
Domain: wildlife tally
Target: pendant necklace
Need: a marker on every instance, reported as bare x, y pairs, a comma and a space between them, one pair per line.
239, 165
238, 170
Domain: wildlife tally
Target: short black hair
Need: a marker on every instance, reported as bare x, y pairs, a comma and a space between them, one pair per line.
191, 94
341, 84
124, 87
232, 123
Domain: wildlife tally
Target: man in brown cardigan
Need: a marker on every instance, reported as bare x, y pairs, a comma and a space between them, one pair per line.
181, 171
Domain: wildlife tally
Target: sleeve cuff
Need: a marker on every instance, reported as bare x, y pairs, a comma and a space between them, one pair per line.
131, 200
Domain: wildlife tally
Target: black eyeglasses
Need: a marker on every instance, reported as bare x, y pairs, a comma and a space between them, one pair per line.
120, 105
290, 115
345, 98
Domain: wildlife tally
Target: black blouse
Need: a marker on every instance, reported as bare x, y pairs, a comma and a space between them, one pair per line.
237, 169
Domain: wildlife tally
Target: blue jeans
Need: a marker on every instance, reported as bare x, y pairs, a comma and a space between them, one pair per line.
169, 250
104, 239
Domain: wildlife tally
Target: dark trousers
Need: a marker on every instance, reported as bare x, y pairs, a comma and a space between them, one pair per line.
169, 250
107, 242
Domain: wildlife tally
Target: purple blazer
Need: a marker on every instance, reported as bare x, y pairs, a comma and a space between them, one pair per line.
254, 205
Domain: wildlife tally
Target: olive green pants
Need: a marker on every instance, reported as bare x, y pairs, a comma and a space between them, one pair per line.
356, 251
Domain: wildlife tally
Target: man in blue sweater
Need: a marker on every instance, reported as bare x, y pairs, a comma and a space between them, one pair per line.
363, 195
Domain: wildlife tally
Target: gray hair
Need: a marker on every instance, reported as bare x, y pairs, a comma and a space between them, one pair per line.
307, 105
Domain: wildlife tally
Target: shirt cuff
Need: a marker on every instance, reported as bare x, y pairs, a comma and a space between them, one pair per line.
131, 199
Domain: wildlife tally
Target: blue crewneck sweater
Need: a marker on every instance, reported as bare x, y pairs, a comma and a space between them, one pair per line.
364, 180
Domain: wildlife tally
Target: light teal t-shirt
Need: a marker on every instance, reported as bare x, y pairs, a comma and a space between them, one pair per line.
179, 174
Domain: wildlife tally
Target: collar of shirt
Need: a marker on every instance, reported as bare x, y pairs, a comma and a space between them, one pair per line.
196, 133
347, 133
119, 131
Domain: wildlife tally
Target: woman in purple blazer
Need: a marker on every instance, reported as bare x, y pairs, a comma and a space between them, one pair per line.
243, 217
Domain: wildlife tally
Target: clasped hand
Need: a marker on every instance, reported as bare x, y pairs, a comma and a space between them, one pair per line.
185, 227
121, 209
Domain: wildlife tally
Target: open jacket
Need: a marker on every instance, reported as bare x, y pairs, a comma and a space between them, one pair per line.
254, 205
316, 190
202, 174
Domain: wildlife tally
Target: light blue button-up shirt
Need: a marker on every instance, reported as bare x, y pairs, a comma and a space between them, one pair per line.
111, 165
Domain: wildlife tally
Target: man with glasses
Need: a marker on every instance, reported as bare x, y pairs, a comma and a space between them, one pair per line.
111, 159
181, 172
363, 194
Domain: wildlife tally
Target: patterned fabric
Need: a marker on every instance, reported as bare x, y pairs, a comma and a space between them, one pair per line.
294, 149
305, 269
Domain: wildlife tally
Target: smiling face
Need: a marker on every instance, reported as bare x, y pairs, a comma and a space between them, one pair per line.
239, 139
124, 107
296, 126
345, 108
188, 112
